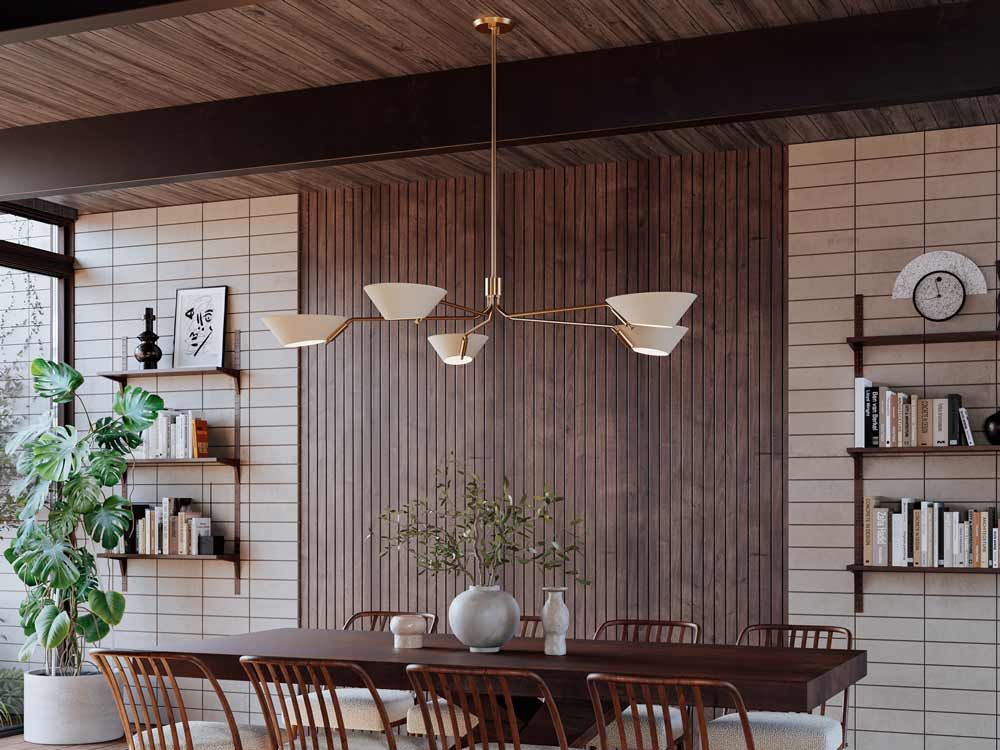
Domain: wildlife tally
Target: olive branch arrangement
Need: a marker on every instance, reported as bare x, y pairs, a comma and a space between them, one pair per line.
462, 530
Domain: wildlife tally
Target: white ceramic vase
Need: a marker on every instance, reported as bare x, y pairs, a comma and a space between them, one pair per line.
69, 710
555, 620
484, 618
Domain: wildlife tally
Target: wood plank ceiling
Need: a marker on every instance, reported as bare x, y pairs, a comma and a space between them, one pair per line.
292, 44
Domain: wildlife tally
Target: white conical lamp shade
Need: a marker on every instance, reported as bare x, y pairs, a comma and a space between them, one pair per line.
654, 342
449, 347
405, 301
656, 309
302, 330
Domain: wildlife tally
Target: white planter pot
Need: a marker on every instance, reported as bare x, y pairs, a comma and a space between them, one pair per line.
69, 710
484, 618
555, 620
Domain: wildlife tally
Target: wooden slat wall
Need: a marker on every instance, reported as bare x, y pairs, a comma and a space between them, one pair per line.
678, 464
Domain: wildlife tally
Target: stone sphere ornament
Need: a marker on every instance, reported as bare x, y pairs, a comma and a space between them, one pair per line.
991, 428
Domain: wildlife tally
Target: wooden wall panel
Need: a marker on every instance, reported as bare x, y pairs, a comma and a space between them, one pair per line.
676, 464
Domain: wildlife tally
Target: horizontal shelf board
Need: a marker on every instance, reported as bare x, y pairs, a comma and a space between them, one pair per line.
184, 461
910, 569
136, 556
123, 375
856, 342
919, 450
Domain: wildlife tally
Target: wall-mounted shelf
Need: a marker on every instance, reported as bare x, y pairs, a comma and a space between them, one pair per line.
122, 377
858, 342
124, 557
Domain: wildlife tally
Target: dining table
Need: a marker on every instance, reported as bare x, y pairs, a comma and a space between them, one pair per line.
768, 678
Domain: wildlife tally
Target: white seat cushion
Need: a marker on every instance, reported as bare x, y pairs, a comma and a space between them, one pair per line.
358, 708
415, 720
363, 741
773, 730
205, 735
615, 739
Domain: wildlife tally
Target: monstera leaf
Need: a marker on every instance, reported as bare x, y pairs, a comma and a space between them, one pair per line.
107, 467
32, 491
112, 435
29, 432
63, 519
25, 652
44, 559
137, 408
55, 380
92, 628
106, 523
107, 605
29, 608
57, 454
82, 492
52, 626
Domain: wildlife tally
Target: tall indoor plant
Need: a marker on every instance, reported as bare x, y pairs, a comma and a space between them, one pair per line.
465, 531
66, 480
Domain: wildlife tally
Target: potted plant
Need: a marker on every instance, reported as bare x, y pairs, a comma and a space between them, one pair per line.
465, 531
66, 478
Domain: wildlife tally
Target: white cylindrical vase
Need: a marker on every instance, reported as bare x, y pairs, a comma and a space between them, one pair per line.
555, 620
69, 710
484, 618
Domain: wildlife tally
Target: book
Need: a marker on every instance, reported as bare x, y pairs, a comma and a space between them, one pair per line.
199, 527
881, 552
901, 426
963, 415
924, 428
883, 416
918, 539
861, 412
898, 532
868, 530
939, 419
954, 420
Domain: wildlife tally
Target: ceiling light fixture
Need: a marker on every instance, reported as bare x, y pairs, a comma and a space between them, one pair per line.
645, 322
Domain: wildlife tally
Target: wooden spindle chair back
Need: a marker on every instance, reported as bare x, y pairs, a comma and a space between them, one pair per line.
306, 724
802, 636
476, 707
641, 695
649, 631
150, 702
531, 627
377, 620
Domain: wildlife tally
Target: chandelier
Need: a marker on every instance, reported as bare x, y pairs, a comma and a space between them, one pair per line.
645, 322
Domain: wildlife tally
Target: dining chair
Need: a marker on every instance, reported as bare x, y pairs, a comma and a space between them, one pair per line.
308, 704
396, 702
452, 700
152, 710
648, 631
531, 627
627, 700
776, 730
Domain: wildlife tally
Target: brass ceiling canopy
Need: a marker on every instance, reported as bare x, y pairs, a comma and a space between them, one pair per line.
644, 322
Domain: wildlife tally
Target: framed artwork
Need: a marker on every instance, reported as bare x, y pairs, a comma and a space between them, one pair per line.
199, 327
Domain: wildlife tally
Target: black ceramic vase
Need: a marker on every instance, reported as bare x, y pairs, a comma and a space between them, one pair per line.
148, 353
991, 427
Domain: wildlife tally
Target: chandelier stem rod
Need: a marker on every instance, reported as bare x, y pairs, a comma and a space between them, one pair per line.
494, 34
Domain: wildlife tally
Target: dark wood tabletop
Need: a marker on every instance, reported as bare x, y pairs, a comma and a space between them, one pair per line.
776, 679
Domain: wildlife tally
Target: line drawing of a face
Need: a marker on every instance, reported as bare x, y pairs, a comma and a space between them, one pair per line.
199, 328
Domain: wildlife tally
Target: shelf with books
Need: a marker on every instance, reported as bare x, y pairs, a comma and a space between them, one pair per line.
901, 424
124, 557
186, 438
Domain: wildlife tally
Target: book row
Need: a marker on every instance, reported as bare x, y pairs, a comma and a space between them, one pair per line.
175, 435
908, 532
170, 527
887, 418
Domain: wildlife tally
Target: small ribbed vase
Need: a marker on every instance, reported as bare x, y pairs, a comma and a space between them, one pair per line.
555, 620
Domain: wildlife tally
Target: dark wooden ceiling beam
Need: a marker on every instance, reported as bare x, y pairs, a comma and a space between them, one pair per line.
25, 21
868, 61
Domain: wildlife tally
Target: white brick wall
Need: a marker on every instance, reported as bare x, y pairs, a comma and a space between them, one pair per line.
859, 211
133, 259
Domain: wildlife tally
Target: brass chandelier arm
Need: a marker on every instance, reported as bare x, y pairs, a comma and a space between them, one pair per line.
532, 316
489, 317
471, 310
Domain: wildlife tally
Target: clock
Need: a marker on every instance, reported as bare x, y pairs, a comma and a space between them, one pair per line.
939, 295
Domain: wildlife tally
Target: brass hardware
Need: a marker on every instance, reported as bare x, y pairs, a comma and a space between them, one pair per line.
486, 24
465, 347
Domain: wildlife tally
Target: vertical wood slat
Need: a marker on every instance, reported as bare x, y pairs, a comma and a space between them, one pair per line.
677, 465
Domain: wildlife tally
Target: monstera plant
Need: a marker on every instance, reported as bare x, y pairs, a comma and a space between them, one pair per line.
66, 478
